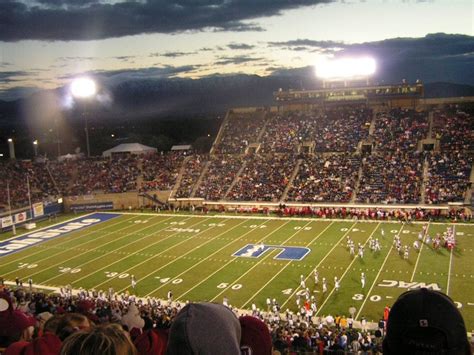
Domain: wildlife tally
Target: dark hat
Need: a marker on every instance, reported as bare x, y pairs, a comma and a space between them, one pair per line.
48, 344
425, 322
204, 329
256, 339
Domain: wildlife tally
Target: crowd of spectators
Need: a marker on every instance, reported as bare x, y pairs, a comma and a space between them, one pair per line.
391, 177
220, 174
239, 131
192, 171
400, 129
285, 132
341, 129
67, 324
325, 178
264, 178
455, 129
448, 177
160, 171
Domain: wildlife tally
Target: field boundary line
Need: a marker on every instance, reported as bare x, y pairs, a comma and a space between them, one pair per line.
284, 267
154, 256
288, 218
450, 264
62, 241
346, 271
419, 253
100, 256
320, 262
259, 262
201, 261
231, 260
376, 277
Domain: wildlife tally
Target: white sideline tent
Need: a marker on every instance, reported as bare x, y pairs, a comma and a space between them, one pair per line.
131, 148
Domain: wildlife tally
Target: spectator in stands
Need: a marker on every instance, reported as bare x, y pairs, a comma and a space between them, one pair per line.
108, 339
425, 322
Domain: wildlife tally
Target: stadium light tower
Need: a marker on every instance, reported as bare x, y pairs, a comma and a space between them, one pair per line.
83, 89
345, 69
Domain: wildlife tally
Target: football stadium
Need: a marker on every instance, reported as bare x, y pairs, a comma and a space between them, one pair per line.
336, 219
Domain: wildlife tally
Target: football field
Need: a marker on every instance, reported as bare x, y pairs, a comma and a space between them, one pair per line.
246, 259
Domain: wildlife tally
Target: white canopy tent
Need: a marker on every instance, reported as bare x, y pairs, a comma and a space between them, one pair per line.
132, 148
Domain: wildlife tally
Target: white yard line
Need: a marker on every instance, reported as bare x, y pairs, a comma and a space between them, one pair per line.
376, 277
203, 260
68, 240
450, 265
283, 268
345, 272
230, 261
320, 262
258, 262
313, 219
419, 253
101, 256
178, 258
154, 256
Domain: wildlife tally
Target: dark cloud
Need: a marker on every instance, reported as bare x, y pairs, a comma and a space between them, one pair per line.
240, 46
17, 92
125, 58
13, 76
307, 43
67, 59
177, 54
93, 19
240, 59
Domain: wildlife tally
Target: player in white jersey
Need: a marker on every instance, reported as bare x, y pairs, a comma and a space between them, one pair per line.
302, 282
336, 283
416, 245
352, 249
133, 281
377, 246
362, 279
325, 286
406, 252
361, 251
316, 276
382, 232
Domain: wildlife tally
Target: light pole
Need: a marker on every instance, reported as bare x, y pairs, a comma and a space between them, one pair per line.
35, 147
83, 89
11, 148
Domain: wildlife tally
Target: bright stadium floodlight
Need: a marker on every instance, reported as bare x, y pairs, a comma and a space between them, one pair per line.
83, 88
345, 68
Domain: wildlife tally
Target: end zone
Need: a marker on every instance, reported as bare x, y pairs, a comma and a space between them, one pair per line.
24, 241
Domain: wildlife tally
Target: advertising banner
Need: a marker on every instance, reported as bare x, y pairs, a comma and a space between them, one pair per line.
20, 217
6, 222
38, 209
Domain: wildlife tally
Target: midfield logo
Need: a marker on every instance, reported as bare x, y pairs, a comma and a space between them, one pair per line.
286, 253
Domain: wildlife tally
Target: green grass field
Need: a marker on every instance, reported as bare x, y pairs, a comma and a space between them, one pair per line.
193, 257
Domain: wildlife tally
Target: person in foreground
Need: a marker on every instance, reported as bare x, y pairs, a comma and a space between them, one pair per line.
425, 322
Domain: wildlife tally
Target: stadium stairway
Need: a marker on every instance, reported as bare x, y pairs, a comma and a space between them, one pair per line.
468, 199
180, 176
201, 177
430, 124
237, 177
357, 185
424, 180
220, 133
290, 182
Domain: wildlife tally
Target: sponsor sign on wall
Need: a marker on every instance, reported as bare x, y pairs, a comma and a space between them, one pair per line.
85, 207
6, 221
38, 209
20, 217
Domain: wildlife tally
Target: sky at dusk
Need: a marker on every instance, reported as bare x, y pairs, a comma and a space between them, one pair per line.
44, 43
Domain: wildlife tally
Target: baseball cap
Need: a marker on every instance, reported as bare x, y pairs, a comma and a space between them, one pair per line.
423, 321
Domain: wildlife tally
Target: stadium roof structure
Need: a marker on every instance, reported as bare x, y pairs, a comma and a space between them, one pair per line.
181, 147
132, 148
